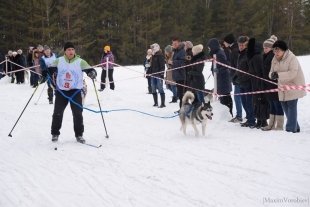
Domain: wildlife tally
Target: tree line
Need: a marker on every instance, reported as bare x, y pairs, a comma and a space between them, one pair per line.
130, 26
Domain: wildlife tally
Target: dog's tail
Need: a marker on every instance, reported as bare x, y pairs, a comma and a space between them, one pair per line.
188, 98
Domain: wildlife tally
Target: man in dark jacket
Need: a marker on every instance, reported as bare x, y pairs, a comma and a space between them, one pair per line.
178, 75
232, 45
223, 75
244, 81
255, 61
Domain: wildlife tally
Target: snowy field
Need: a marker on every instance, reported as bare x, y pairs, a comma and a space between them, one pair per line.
147, 161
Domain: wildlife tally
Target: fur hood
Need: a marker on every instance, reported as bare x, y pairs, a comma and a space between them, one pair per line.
254, 48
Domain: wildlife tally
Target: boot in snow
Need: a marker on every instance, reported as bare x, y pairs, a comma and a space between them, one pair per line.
271, 124
162, 99
80, 139
155, 99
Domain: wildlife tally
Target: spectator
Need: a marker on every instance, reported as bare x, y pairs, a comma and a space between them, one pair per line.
276, 116
147, 65
169, 80
157, 71
286, 69
107, 56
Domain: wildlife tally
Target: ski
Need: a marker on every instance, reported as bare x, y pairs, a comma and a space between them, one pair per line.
91, 145
87, 144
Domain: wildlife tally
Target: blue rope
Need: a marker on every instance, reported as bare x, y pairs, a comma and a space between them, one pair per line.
107, 111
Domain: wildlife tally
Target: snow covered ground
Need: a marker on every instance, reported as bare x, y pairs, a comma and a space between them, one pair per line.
147, 161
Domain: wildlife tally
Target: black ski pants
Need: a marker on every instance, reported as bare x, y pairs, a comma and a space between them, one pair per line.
61, 103
110, 76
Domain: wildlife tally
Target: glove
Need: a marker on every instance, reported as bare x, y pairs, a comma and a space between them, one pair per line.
274, 76
92, 74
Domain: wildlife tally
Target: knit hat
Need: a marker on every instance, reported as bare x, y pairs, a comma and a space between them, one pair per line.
269, 42
243, 39
188, 45
68, 45
280, 44
46, 47
197, 49
230, 38
107, 48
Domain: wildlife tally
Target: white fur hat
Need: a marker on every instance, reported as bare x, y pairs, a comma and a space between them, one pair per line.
197, 49
155, 48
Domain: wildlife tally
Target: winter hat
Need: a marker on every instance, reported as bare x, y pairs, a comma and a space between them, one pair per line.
46, 47
214, 45
155, 48
168, 49
243, 39
107, 48
68, 45
230, 38
188, 45
280, 44
197, 49
269, 42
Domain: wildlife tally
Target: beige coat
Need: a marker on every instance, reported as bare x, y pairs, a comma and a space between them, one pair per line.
169, 70
290, 73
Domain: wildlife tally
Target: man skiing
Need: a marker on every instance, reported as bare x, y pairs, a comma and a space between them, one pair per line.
69, 82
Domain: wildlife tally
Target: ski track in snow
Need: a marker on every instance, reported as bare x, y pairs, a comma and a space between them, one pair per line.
146, 161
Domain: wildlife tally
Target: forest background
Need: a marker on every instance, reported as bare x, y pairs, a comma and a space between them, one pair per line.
130, 26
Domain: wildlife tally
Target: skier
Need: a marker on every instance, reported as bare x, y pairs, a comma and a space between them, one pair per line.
69, 82
46, 62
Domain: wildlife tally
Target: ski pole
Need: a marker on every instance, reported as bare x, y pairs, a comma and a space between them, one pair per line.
10, 134
40, 94
106, 136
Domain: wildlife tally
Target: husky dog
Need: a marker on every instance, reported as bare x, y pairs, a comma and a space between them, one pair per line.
194, 114
84, 91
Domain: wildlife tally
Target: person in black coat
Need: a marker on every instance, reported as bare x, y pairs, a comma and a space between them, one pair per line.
178, 75
147, 65
231, 45
223, 75
196, 79
157, 71
244, 81
276, 116
255, 62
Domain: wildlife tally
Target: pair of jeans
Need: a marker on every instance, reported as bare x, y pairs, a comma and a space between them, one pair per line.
157, 84
173, 89
238, 102
247, 103
290, 110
